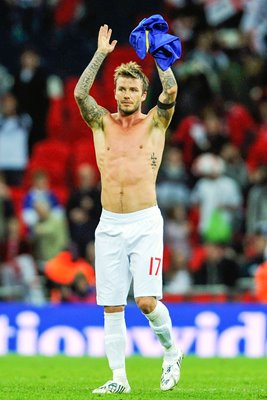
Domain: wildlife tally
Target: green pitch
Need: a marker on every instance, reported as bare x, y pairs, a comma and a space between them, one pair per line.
40, 378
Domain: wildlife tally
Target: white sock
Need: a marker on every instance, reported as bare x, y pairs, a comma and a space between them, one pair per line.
160, 322
115, 344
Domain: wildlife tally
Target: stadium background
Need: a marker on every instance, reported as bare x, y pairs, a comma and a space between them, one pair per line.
219, 130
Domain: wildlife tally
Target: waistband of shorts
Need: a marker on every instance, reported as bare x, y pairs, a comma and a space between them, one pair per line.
126, 218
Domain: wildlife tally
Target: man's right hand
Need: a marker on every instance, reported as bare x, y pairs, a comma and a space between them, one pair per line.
104, 35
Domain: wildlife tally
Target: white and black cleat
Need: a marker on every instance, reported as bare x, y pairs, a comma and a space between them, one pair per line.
171, 374
113, 387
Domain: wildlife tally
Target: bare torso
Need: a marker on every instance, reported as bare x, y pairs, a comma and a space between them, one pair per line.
129, 153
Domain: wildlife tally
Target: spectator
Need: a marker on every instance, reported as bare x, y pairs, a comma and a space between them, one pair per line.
71, 279
261, 283
242, 80
177, 231
235, 166
6, 80
219, 267
30, 87
39, 192
14, 129
50, 234
262, 106
253, 24
14, 243
257, 154
185, 22
208, 54
256, 210
257, 244
80, 291
83, 209
178, 280
173, 180
189, 136
6, 211
218, 197
213, 130
18, 272
202, 134
24, 20
201, 69
241, 127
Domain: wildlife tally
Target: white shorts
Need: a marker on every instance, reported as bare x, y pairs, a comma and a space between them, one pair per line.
128, 246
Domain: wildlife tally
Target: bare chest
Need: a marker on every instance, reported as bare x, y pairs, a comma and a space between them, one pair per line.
127, 140
134, 147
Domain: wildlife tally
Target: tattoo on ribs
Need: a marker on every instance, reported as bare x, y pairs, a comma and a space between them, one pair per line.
153, 161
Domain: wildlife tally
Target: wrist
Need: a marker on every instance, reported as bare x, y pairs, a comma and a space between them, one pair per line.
102, 53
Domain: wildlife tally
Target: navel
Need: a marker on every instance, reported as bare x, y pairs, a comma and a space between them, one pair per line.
141, 146
121, 200
108, 148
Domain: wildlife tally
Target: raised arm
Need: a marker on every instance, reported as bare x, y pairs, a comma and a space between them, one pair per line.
91, 112
166, 101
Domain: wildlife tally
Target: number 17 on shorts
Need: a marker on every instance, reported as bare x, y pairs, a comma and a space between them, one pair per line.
154, 267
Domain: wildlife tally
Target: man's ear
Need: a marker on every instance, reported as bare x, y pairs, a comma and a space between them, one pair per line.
144, 95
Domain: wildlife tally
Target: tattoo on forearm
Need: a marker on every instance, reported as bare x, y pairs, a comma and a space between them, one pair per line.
168, 95
88, 76
168, 81
89, 108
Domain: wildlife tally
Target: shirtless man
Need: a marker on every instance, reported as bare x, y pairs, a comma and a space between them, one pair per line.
129, 237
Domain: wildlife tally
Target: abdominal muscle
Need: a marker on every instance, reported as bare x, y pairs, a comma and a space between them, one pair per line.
127, 186
128, 198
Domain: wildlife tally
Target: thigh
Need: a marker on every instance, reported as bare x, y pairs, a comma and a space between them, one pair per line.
146, 259
113, 277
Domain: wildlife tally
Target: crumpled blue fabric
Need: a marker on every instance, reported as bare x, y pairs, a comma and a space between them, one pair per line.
165, 48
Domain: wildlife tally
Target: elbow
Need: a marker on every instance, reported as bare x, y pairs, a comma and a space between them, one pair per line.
77, 95
79, 98
172, 91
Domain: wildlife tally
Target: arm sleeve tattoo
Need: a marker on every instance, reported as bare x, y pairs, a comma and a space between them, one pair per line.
90, 110
167, 97
168, 82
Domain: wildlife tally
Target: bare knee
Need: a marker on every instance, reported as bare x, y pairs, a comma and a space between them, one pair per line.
113, 309
146, 304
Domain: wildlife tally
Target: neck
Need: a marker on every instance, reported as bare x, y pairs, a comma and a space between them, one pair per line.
129, 120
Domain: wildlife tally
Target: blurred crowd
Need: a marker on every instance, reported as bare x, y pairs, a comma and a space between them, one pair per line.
212, 185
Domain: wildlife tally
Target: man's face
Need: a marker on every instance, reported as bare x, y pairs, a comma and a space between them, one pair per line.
30, 60
129, 95
9, 105
41, 182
